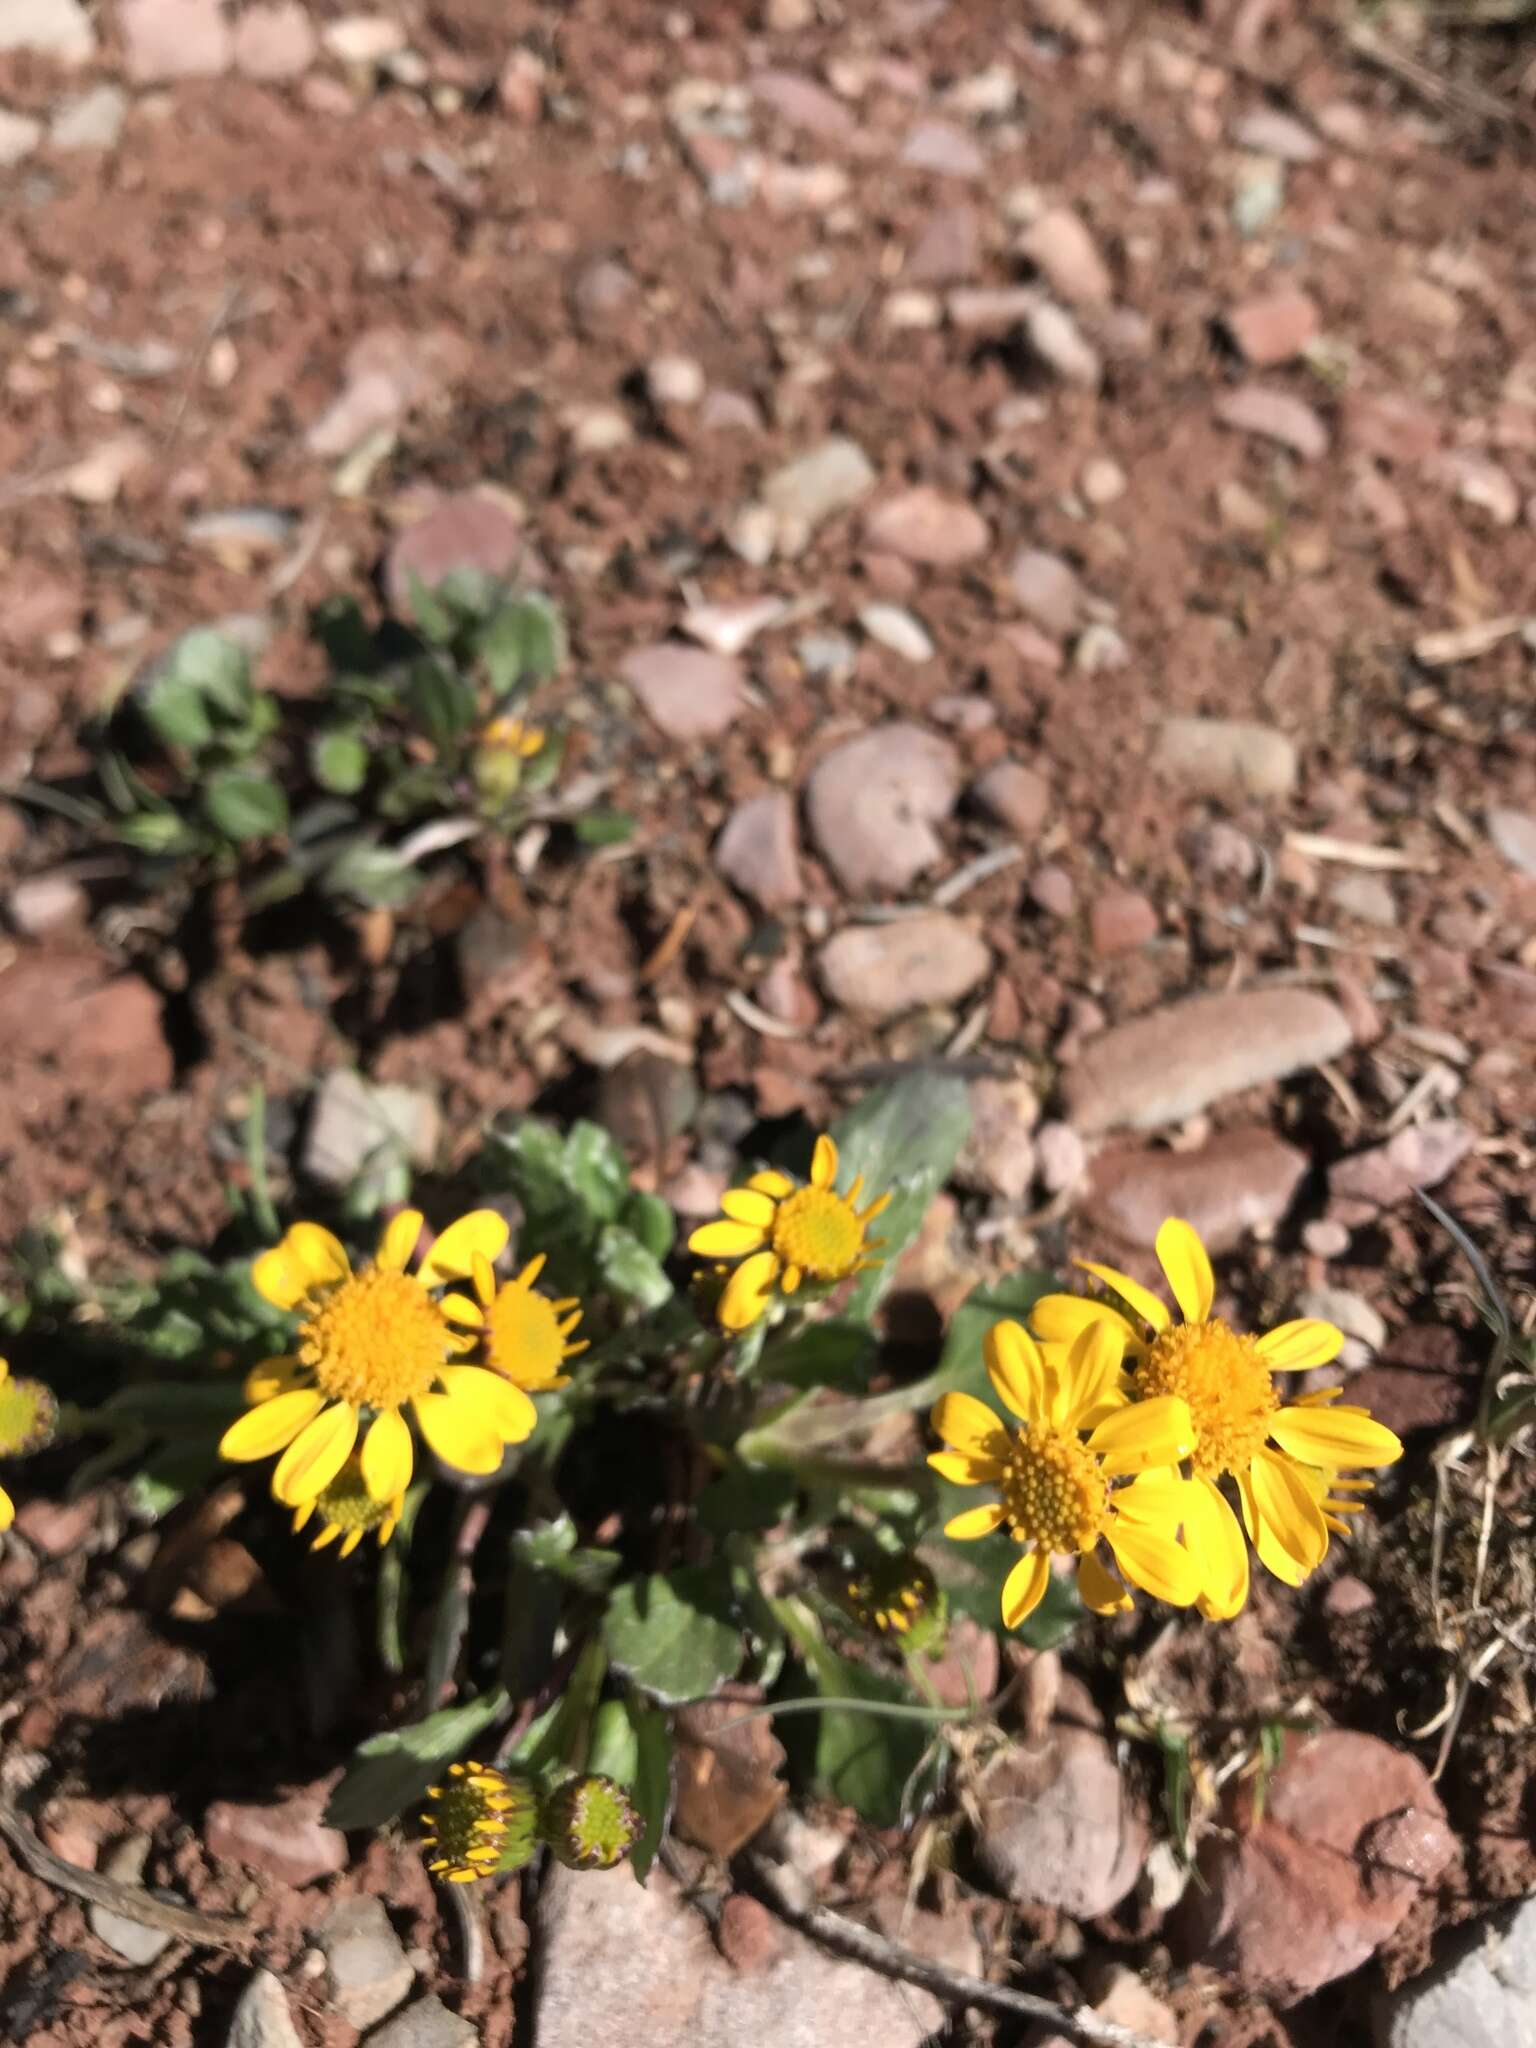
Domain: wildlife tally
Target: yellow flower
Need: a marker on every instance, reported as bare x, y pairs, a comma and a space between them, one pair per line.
1054, 1477
786, 1234
510, 735
524, 1336
1283, 1458
349, 1511
481, 1820
29, 1415
370, 1345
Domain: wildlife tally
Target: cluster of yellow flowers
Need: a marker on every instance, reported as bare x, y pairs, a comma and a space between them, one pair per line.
1138, 1430
396, 1338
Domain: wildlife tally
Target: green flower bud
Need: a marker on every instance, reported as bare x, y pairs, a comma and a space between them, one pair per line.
588, 1823
897, 1598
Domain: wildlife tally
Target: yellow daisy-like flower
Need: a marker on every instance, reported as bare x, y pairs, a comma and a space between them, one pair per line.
348, 1511
512, 735
475, 1819
1283, 1458
371, 1345
786, 1234
525, 1336
1055, 1476
29, 1415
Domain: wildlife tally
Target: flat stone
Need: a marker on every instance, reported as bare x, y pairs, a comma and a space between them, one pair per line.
690, 693
1274, 327
1060, 344
632, 1964
1363, 1325
262, 2018
131, 1940
998, 1157
1232, 757
469, 531
804, 104
892, 626
1367, 897
675, 380
1239, 1181
1013, 796
46, 903
1421, 1156
90, 120
275, 42
883, 970
604, 298
1514, 834
947, 249
19, 136
944, 151
1067, 257
926, 526
363, 38
1274, 415
1048, 589
167, 39
107, 1032
281, 1838
367, 1973
428, 2024
758, 852
1058, 1826
1483, 1995
358, 1127
1269, 132
1061, 1157
1391, 426
825, 480
1120, 921
1165, 1066
1352, 1834
388, 373
1477, 481
873, 803
53, 28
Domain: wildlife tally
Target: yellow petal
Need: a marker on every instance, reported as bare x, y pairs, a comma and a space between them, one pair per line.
748, 1291
1184, 1259
319, 1253
316, 1455
279, 1278
725, 1240
457, 1434
1062, 1319
453, 1255
748, 1205
973, 1522
349, 1542
1141, 1299
1335, 1436
460, 1309
398, 1241
1144, 1434
7, 1509
1157, 1499
1088, 1374
494, 1401
1287, 1507
1152, 1560
389, 1457
485, 1280
969, 1425
1016, 1370
1293, 1347
771, 1182
5, 1370
1024, 1587
327, 1535
962, 1470
1099, 1590
823, 1163
1216, 1537
275, 1376
302, 1515
269, 1426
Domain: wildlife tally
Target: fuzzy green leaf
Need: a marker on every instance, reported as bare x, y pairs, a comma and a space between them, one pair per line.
905, 1140
339, 760
244, 806
673, 1634
390, 1772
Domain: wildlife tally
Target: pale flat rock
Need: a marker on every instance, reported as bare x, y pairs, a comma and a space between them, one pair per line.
1482, 1996
53, 28
466, 531
689, 692
1067, 257
262, 2018
91, 120
1514, 834
1165, 1066
901, 632
758, 850
632, 1964
874, 801
388, 373
882, 970
19, 136
427, 2023
168, 39
367, 1972
926, 526
1241, 1181
825, 480
1059, 1826
1274, 415
131, 1940
1233, 757
275, 42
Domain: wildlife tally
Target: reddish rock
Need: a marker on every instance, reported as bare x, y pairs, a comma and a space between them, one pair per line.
1067, 257
1059, 1826
1352, 1834
747, 1934
106, 1034
948, 248
689, 692
1421, 1156
469, 531
388, 374
1047, 588
758, 852
784, 993
925, 526
883, 970
1273, 327
1274, 415
969, 1667
726, 1776
1015, 796
1051, 890
943, 150
1120, 921
286, 1839
1241, 1181
874, 801
1390, 426
1423, 1382
274, 42
804, 104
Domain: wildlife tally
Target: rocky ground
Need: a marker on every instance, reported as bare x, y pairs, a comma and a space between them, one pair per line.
1045, 502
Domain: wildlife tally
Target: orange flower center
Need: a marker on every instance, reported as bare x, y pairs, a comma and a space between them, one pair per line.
1054, 1493
377, 1340
818, 1231
1228, 1386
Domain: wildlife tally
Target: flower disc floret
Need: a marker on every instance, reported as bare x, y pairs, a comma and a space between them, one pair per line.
1229, 1390
379, 1339
29, 1415
525, 1336
1054, 1491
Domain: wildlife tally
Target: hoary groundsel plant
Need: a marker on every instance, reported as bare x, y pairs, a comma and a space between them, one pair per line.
588, 1473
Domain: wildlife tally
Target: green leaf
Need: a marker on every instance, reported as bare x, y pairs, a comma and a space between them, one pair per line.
440, 702
629, 1270
339, 761
905, 1140
245, 806
595, 1169
651, 1220
836, 1354
614, 1748
673, 1634
217, 667
177, 712
156, 832
337, 623
391, 1772
651, 1788
746, 1497
863, 1760
604, 828
554, 1547
434, 619
375, 875
523, 642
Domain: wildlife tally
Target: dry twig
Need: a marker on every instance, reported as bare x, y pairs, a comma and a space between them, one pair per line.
132, 1901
